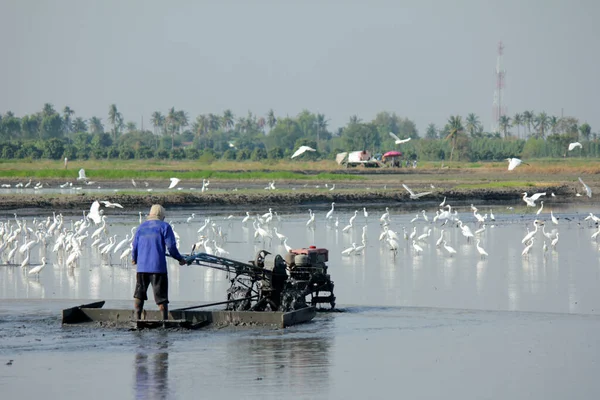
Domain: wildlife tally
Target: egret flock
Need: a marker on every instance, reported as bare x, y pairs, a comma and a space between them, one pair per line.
64, 243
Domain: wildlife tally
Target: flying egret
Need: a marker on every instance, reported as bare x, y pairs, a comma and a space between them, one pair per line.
414, 195
397, 140
588, 190
94, 213
301, 150
574, 145
82, 176
174, 182
531, 199
109, 204
514, 163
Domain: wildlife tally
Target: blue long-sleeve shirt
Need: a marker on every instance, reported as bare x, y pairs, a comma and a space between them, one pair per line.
150, 243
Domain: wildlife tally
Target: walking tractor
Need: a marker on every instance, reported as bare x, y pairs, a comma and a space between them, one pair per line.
274, 283
269, 290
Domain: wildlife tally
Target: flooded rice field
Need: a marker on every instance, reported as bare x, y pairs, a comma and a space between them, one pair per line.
420, 319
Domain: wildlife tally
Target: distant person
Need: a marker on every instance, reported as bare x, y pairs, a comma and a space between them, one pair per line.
152, 238
414, 163
66, 161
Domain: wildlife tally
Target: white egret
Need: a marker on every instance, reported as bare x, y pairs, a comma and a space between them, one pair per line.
301, 150
287, 247
330, 212
554, 241
443, 203
81, 176
588, 190
538, 212
480, 249
480, 230
414, 195
365, 213
385, 215
38, 268
349, 250
394, 245
440, 240
449, 249
530, 235
121, 244
416, 247
527, 248
530, 201
514, 163
397, 140
424, 235
174, 182
359, 249
574, 145
413, 233
280, 236
352, 218
554, 219
133, 182
109, 204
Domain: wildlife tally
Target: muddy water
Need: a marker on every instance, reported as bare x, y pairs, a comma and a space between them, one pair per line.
426, 325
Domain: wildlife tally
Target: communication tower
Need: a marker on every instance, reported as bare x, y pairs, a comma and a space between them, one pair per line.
499, 109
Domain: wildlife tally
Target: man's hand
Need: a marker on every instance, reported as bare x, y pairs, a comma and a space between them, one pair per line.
133, 262
182, 261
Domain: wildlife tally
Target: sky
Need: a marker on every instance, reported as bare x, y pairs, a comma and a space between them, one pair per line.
424, 60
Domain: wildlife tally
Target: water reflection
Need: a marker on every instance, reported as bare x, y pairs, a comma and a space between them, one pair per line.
301, 364
152, 375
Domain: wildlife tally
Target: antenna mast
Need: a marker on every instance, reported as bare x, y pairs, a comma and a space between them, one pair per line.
499, 110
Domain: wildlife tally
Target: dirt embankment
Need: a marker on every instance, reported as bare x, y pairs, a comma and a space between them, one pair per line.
229, 196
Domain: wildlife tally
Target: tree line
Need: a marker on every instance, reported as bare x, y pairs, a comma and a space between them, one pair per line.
54, 135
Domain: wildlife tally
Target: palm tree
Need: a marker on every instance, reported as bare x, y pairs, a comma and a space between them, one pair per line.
214, 122
472, 124
504, 123
158, 121
528, 119
79, 125
182, 119
354, 120
201, 125
228, 120
115, 119
48, 110
455, 127
518, 121
553, 122
543, 122
271, 120
96, 125
130, 126
171, 124
67, 112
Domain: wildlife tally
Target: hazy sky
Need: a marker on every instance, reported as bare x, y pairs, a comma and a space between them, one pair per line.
424, 60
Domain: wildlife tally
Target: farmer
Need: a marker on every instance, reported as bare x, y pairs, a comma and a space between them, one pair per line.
152, 238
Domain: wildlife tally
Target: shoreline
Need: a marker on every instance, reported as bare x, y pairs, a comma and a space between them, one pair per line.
226, 194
